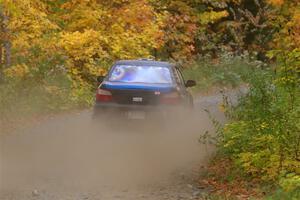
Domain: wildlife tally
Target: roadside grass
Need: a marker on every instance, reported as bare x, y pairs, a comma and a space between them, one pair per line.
259, 144
227, 71
28, 99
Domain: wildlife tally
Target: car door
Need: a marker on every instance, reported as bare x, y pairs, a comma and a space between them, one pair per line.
188, 99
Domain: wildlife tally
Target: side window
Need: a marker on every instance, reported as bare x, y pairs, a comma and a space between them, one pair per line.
176, 75
180, 77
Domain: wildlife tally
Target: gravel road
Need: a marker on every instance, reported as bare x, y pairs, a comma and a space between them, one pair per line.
70, 158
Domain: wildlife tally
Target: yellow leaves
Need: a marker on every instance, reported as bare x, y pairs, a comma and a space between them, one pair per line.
289, 17
134, 31
85, 17
125, 31
232, 133
74, 71
286, 80
83, 46
294, 28
247, 161
263, 164
276, 2
290, 182
84, 50
101, 72
92, 67
212, 16
259, 152
17, 71
96, 34
32, 18
262, 126
28, 25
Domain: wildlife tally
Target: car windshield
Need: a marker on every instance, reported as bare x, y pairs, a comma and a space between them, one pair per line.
140, 74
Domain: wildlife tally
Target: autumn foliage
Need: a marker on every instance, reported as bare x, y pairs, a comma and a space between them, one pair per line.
89, 35
52, 50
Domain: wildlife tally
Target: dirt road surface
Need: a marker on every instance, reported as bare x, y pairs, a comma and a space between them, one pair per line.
70, 158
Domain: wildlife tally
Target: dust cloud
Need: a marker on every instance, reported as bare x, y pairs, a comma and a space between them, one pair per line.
75, 153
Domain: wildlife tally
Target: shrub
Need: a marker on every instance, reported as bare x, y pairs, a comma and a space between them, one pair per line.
262, 135
227, 71
44, 88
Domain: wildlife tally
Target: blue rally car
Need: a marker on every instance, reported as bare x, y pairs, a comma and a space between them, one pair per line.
135, 89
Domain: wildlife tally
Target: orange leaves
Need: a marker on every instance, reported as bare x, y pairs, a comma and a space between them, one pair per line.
294, 28
136, 14
276, 2
179, 32
226, 183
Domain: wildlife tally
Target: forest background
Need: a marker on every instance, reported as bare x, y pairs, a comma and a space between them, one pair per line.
52, 50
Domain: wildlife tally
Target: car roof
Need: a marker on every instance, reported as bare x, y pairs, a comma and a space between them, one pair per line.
145, 62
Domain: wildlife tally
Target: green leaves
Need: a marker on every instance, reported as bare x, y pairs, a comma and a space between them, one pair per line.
263, 135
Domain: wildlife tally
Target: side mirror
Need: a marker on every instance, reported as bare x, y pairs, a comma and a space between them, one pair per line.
100, 79
190, 83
